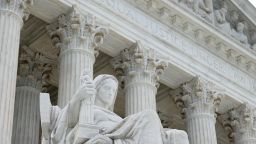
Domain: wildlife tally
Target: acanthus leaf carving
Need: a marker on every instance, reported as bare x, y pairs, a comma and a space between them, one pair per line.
201, 95
240, 123
139, 60
33, 68
74, 29
19, 7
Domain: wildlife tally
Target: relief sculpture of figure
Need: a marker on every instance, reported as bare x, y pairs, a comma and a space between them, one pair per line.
60, 126
239, 33
220, 18
203, 7
188, 3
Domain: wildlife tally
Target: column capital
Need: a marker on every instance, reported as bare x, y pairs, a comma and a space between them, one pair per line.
244, 118
17, 7
77, 31
240, 122
198, 95
139, 60
228, 123
33, 68
199, 90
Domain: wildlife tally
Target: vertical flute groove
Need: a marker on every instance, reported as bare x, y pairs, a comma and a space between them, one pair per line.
10, 26
27, 121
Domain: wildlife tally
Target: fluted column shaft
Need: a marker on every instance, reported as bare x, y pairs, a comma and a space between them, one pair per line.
78, 38
140, 93
201, 101
72, 63
31, 74
201, 124
26, 124
246, 137
11, 13
140, 72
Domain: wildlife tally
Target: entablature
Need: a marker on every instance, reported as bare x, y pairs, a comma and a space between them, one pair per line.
218, 35
128, 23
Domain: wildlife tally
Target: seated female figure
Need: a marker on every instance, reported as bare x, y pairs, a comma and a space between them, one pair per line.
141, 128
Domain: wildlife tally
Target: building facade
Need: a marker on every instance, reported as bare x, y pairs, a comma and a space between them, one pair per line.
195, 59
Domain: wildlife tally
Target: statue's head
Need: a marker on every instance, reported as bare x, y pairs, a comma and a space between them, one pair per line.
106, 87
240, 27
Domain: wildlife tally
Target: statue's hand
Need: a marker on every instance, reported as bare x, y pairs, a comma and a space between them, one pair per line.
86, 91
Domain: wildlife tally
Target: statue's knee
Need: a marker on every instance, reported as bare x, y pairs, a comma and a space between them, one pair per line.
182, 134
173, 136
181, 137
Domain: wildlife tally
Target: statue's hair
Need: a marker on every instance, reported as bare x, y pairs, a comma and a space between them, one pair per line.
100, 80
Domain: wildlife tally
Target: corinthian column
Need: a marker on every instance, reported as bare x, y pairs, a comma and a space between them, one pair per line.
200, 102
26, 120
243, 120
140, 70
78, 38
11, 15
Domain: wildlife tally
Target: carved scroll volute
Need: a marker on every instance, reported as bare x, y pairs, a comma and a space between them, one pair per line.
201, 95
74, 25
34, 69
19, 7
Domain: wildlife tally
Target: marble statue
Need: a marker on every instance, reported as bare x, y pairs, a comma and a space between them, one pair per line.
220, 18
203, 8
188, 3
239, 34
91, 111
233, 19
252, 39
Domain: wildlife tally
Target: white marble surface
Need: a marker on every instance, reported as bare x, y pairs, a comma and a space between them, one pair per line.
141, 71
11, 14
143, 127
78, 38
201, 102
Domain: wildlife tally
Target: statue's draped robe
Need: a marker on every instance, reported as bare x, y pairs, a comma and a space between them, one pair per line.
141, 128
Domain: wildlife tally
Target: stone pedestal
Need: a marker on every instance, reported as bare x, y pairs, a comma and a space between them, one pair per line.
140, 70
11, 14
200, 101
78, 38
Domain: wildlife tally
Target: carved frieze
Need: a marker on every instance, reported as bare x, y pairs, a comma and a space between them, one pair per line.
203, 8
220, 15
225, 20
191, 49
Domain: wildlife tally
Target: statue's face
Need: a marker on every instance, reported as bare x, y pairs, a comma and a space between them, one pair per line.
240, 27
107, 92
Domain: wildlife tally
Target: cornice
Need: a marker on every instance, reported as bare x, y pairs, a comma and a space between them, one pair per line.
246, 8
131, 24
202, 32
